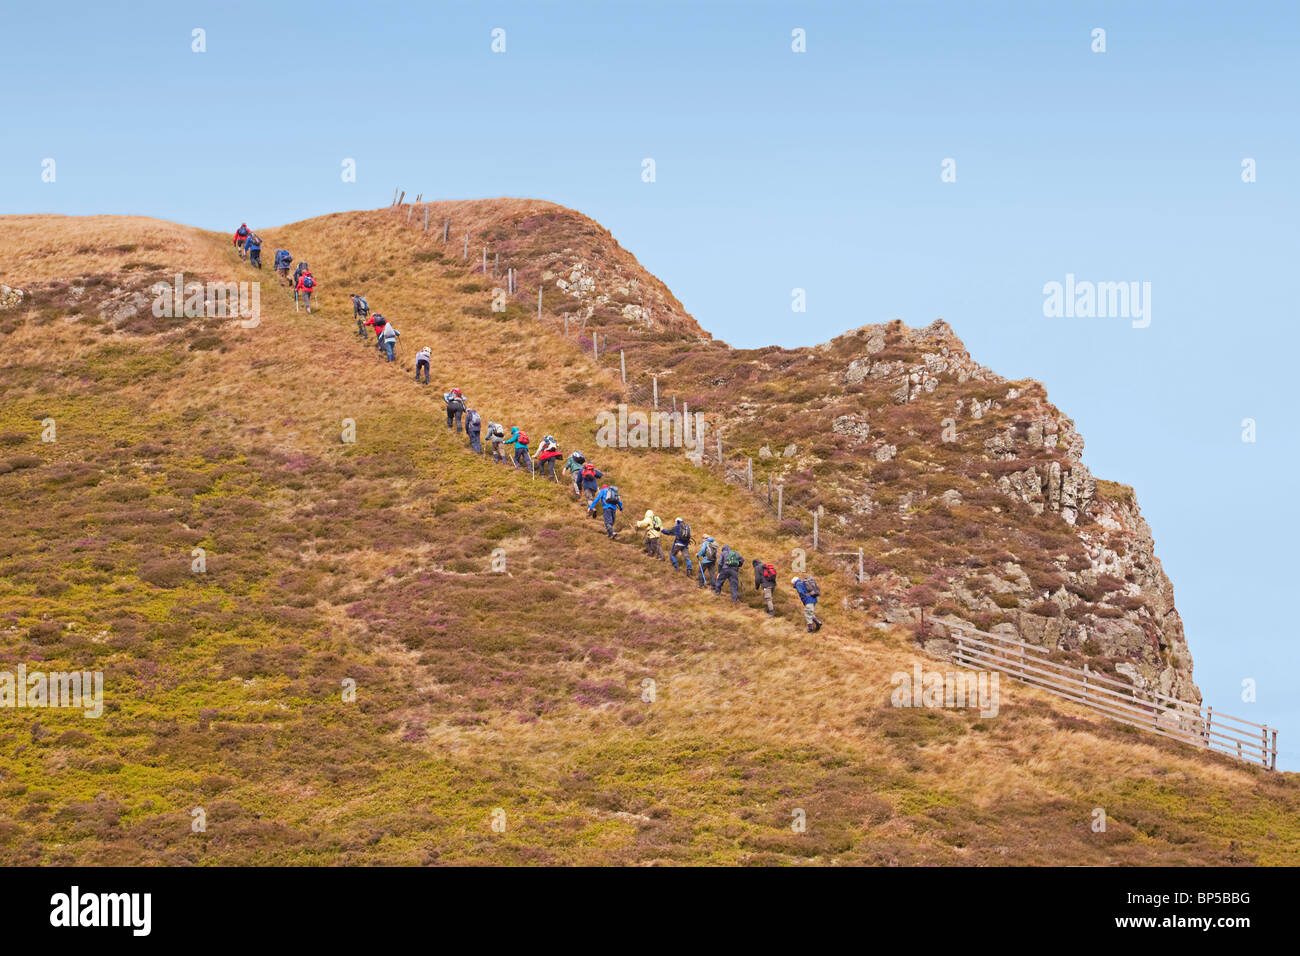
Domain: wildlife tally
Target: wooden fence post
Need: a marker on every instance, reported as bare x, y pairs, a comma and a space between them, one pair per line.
465, 254
409, 210
814, 531
426, 218
656, 379
399, 201
446, 229
394, 197
1085, 680
622, 365
780, 495
724, 467
860, 565
496, 263
1209, 723
595, 346
749, 473
485, 262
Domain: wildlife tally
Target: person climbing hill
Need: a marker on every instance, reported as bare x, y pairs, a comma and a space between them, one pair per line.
389, 340
589, 475
306, 286
241, 236
422, 359
496, 438
730, 563
808, 592
573, 465
360, 311
282, 263
681, 534
765, 581
255, 250
520, 441
708, 561
456, 404
610, 504
547, 455
653, 527
473, 426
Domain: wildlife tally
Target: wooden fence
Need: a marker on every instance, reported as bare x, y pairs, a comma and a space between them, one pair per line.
1147, 709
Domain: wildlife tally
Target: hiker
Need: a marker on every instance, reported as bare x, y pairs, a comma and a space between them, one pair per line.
547, 456
729, 565
360, 310
573, 465
455, 401
473, 425
808, 592
297, 274
422, 359
306, 286
282, 263
255, 250
681, 533
520, 441
496, 436
611, 504
654, 527
389, 340
588, 475
241, 236
377, 322
708, 560
765, 581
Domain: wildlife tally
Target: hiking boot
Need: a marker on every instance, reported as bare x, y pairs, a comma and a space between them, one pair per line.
817, 625
811, 629
771, 613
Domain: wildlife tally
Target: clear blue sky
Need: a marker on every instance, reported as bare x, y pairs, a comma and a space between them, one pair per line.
778, 170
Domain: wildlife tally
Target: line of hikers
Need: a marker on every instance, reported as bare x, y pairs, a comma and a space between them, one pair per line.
303, 283
715, 565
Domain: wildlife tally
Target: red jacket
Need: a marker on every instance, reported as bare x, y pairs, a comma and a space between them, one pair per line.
303, 288
238, 238
549, 453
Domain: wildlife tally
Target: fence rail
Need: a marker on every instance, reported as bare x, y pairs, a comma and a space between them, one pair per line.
1149, 710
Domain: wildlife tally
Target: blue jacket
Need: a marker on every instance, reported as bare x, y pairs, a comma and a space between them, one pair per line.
601, 500
704, 546
804, 596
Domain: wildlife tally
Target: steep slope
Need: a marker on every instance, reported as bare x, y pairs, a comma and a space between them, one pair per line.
525, 691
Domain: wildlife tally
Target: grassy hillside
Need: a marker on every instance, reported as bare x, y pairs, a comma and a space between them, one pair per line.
476, 691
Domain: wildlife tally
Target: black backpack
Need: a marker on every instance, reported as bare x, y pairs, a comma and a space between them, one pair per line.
611, 496
810, 587
684, 533
308, 282
579, 457
362, 305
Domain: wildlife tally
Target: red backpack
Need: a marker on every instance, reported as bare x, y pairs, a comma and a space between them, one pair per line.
589, 470
769, 572
523, 438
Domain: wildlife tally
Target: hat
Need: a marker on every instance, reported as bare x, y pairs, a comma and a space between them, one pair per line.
794, 580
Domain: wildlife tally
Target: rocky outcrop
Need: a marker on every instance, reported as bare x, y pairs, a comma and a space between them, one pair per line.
10, 298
